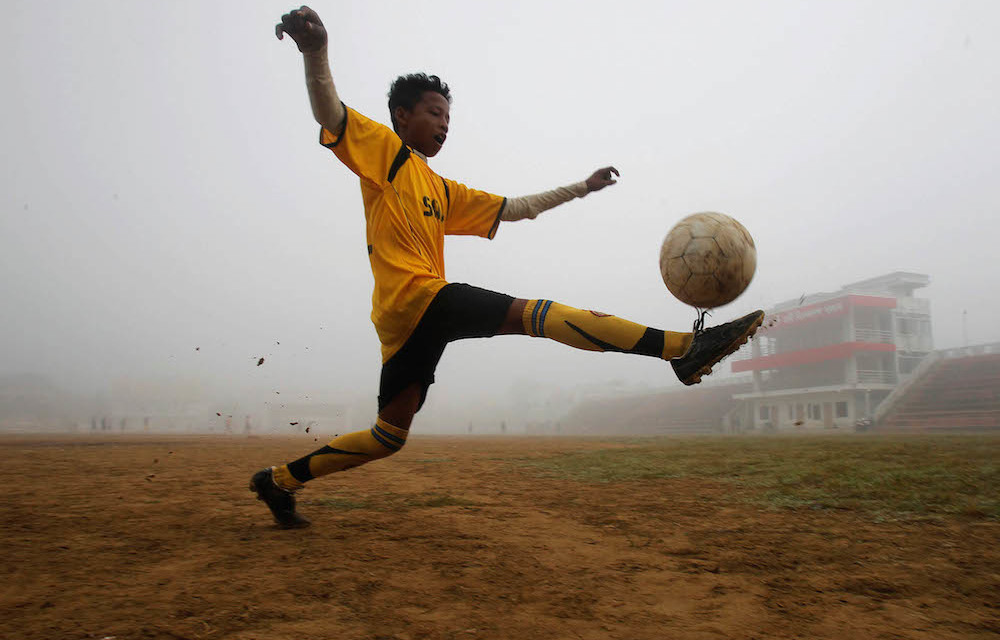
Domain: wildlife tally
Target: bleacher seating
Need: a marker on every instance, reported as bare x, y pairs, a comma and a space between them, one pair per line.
954, 393
689, 410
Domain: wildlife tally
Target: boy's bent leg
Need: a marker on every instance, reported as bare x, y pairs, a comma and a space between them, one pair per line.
403, 386
344, 452
276, 486
457, 311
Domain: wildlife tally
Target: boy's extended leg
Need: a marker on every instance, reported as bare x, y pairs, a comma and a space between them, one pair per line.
692, 355
592, 330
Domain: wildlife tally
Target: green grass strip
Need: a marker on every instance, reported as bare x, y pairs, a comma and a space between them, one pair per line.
888, 476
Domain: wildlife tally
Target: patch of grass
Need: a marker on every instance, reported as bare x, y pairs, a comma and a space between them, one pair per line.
433, 500
393, 502
902, 476
339, 504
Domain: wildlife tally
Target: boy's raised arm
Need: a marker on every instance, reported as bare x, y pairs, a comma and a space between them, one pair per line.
309, 34
528, 207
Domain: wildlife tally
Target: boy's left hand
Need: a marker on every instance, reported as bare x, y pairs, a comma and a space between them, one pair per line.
601, 178
305, 27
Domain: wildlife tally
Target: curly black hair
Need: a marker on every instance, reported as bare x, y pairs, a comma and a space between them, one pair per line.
406, 91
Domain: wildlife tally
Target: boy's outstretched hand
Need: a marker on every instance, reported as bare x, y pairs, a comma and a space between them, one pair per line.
305, 27
601, 178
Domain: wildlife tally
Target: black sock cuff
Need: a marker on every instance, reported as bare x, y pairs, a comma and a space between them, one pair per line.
300, 468
650, 344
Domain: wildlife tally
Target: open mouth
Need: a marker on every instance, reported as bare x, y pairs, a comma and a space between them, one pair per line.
439, 138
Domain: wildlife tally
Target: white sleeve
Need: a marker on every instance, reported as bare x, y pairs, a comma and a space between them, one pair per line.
326, 105
530, 206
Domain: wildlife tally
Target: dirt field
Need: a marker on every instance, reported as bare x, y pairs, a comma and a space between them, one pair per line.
460, 538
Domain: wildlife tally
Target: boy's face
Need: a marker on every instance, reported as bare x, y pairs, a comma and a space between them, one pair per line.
426, 127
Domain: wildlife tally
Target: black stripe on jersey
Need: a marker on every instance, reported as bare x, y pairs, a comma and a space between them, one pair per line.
343, 129
447, 195
399, 161
496, 223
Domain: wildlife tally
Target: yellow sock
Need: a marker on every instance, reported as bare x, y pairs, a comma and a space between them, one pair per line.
595, 331
343, 452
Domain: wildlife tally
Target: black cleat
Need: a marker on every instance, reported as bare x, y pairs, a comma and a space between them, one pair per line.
712, 345
280, 502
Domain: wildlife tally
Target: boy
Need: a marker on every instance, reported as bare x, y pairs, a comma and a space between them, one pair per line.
409, 209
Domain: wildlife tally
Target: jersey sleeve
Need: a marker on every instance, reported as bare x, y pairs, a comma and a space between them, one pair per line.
472, 212
368, 148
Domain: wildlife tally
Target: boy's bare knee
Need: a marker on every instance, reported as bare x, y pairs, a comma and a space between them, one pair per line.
401, 409
513, 324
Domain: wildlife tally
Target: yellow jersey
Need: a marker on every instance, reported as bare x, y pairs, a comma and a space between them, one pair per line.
408, 211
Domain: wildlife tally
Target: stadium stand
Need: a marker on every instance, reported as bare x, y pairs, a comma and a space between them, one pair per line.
959, 390
696, 410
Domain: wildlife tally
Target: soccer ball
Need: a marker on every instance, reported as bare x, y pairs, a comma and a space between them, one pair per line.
707, 260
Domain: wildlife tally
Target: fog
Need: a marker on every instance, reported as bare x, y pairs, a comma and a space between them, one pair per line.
168, 217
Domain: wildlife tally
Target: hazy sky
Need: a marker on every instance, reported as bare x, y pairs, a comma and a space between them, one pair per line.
163, 190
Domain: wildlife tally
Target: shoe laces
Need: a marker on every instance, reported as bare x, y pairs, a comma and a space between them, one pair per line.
699, 324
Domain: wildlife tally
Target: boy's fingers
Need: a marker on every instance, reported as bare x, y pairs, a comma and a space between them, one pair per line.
309, 14
298, 22
292, 22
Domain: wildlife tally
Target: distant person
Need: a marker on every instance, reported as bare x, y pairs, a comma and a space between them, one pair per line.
409, 209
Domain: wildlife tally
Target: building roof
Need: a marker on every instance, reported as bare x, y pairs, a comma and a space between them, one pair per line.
895, 284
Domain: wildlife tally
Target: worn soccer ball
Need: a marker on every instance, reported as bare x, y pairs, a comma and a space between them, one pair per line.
707, 260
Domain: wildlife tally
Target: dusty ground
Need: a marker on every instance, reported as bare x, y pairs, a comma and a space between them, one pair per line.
158, 537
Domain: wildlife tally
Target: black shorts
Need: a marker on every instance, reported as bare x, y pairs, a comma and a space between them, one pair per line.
457, 311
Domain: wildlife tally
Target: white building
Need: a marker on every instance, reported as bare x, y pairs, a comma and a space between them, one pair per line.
827, 359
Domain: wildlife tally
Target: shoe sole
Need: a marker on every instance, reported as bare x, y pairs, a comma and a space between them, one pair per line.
696, 377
